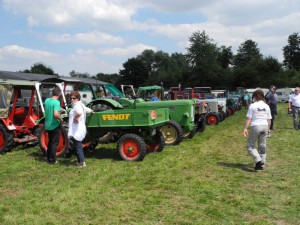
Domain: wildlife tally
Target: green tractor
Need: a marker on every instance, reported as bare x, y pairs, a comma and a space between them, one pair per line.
136, 130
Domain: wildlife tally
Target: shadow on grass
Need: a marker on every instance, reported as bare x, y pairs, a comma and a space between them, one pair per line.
99, 153
244, 167
103, 153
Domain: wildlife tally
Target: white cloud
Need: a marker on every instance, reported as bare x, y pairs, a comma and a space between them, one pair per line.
89, 13
89, 38
130, 51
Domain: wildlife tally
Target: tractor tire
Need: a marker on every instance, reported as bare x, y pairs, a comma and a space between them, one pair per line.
63, 144
190, 134
224, 114
172, 132
6, 139
157, 143
230, 111
201, 125
132, 147
212, 118
220, 115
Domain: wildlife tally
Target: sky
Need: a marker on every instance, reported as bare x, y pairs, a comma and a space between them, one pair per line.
98, 36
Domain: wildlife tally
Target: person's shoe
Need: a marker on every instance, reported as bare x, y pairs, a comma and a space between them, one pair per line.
269, 134
81, 165
259, 166
52, 163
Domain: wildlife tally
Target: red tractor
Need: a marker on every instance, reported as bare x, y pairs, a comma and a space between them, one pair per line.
21, 112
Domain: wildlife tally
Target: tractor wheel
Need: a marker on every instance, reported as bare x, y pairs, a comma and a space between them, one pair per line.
157, 143
172, 132
212, 118
62, 145
6, 140
132, 147
230, 111
201, 125
224, 114
190, 134
220, 115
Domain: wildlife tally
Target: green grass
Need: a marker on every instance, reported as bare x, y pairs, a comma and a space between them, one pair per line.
206, 180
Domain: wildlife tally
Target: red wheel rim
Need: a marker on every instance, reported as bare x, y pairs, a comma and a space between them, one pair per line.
61, 144
130, 149
212, 120
2, 141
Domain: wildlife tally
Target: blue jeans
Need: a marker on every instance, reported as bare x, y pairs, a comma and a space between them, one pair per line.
79, 151
53, 140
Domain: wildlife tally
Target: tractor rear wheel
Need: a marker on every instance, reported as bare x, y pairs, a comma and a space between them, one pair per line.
190, 134
230, 111
201, 124
157, 143
6, 139
212, 118
62, 145
172, 132
132, 147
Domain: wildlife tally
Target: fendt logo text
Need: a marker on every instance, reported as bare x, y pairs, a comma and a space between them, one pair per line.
116, 117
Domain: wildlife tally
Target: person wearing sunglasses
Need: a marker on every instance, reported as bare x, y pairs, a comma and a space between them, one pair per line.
77, 127
294, 107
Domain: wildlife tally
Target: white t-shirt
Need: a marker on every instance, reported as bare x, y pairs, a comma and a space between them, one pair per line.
78, 131
295, 100
259, 113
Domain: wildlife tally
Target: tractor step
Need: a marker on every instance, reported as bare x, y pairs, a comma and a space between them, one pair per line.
25, 139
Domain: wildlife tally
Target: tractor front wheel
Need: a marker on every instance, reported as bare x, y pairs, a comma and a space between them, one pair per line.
157, 143
132, 147
62, 145
172, 132
212, 118
6, 139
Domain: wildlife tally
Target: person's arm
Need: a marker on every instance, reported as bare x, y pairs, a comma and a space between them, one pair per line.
57, 115
247, 123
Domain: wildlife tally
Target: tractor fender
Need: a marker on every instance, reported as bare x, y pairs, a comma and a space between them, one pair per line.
7, 123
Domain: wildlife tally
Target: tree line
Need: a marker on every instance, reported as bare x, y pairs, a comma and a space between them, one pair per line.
205, 64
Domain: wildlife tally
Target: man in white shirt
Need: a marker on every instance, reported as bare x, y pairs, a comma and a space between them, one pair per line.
294, 106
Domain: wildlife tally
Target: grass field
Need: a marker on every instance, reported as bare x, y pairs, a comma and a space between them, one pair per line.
206, 180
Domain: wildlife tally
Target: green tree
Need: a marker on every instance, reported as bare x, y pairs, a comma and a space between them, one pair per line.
73, 73
203, 57
291, 52
225, 57
134, 72
246, 52
40, 68
109, 78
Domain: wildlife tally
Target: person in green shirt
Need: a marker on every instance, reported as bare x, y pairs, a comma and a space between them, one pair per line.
52, 124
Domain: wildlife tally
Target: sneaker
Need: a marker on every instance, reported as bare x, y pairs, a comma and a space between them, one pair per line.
259, 166
81, 165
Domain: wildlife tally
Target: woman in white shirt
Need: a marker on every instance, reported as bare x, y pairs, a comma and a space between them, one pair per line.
259, 118
77, 128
